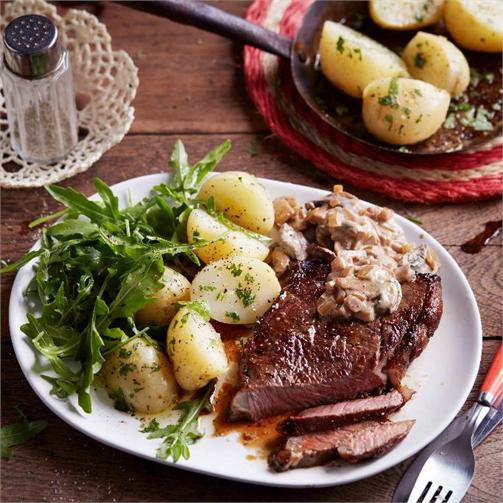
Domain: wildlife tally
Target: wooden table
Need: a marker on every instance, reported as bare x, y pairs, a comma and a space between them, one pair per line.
192, 88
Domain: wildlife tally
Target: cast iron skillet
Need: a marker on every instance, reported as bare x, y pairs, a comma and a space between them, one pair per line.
342, 112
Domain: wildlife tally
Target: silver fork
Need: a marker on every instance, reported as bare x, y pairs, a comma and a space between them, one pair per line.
448, 473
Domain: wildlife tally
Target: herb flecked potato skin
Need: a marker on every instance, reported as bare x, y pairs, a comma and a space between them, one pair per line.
351, 60
242, 198
405, 14
139, 377
403, 111
195, 349
475, 24
238, 290
204, 226
161, 309
436, 60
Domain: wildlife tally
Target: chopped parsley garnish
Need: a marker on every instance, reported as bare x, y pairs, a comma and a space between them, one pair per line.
450, 121
418, 91
340, 44
245, 295
464, 106
235, 270
155, 367
120, 401
359, 52
391, 98
249, 278
389, 119
419, 60
125, 368
406, 111
207, 288
220, 296
419, 119
233, 316
124, 353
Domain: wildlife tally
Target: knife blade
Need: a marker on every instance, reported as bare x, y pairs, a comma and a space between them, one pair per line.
492, 419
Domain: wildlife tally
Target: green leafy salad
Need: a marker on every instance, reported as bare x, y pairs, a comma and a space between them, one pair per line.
97, 266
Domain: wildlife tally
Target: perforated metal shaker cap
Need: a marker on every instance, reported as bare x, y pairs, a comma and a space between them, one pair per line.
32, 47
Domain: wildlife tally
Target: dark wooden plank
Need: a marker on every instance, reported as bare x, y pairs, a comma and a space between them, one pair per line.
190, 80
65, 465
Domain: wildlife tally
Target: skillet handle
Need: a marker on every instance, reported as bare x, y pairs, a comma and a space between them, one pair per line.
492, 387
209, 18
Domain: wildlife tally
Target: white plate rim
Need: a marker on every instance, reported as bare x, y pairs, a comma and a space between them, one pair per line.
18, 338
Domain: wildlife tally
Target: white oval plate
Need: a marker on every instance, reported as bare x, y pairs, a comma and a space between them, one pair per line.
443, 376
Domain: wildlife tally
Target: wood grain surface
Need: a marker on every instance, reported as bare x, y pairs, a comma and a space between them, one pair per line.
192, 87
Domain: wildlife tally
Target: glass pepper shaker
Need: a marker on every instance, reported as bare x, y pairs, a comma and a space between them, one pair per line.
38, 89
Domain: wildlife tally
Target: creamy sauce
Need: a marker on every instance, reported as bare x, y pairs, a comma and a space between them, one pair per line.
367, 250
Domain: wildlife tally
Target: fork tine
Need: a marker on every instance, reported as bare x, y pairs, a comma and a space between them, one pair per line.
447, 496
436, 494
426, 495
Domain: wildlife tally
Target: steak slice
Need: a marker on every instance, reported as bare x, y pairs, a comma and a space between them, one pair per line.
326, 417
352, 443
296, 359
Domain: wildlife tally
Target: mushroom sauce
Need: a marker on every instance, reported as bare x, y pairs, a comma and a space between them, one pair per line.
367, 250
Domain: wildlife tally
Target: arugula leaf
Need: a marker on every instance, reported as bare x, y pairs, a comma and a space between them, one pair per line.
79, 202
19, 433
210, 207
28, 257
177, 437
200, 307
100, 264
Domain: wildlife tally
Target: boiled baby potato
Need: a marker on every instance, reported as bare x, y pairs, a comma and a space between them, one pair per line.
351, 60
242, 198
238, 290
403, 111
436, 60
475, 24
139, 377
160, 310
202, 225
195, 348
405, 14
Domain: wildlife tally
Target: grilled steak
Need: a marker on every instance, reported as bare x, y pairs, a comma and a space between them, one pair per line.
296, 359
326, 417
352, 443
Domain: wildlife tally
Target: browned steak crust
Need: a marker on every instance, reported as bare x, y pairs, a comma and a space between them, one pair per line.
296, 359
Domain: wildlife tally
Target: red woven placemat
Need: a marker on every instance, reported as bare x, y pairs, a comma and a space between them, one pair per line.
466, 176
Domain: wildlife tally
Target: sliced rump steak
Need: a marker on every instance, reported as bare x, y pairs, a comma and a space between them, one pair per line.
326, 417
296, 359
352, 443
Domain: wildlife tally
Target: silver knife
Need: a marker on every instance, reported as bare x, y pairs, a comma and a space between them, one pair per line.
491, 420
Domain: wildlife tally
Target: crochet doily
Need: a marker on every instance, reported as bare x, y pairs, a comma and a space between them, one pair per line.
105, 82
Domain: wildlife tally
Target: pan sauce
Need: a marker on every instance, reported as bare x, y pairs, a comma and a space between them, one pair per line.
369, 254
